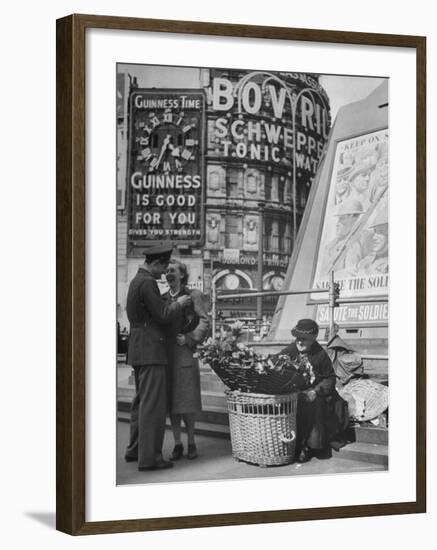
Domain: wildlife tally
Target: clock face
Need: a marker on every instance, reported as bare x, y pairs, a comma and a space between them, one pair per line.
231, 281
277, 283
169, 141
166, 167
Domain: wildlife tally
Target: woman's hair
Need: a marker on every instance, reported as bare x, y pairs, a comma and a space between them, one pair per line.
182, 268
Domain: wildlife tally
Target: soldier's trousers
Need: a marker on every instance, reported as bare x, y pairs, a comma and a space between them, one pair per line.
148, 413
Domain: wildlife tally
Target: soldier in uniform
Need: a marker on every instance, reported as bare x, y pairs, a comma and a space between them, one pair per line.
377, 259
342, 185
340, 253
148, 313
360, 181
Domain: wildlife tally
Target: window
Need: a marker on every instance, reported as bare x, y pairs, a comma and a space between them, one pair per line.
287, 238
288, 198
268, 187
283, 198
234, 230
267, 234
274, 189
281, 239
214, 181
232, 183
275, 236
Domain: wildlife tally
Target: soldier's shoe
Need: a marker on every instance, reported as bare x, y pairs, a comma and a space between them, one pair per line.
177, 452
162, 465
131, 458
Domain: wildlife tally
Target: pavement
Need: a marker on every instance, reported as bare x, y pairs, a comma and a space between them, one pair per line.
215, 462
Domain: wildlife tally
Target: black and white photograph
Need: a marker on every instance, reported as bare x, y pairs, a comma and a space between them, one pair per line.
252, 273
215, 241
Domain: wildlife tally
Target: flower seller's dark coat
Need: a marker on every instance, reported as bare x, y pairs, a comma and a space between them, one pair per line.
323, 420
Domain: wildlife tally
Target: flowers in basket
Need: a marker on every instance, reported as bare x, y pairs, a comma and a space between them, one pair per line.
242, 368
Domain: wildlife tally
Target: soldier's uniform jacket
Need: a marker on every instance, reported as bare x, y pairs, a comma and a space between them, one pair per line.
148, 313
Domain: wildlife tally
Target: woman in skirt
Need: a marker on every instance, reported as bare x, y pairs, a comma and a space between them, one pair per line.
188, 330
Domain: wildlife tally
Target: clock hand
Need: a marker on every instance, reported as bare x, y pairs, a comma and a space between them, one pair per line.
163, 148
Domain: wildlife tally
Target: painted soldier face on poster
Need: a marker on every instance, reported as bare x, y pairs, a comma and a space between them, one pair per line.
354, 239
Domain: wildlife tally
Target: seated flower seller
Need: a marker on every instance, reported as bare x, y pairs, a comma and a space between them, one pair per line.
322, 414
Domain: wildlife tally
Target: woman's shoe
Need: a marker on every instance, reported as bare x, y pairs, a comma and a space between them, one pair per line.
192, 451
178, 451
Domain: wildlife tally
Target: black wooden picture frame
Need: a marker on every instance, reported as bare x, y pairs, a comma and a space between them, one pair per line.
71, 273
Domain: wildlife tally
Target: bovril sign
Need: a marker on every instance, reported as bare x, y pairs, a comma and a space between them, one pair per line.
265, 118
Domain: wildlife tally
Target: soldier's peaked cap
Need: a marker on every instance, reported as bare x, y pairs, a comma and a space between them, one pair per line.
161, 251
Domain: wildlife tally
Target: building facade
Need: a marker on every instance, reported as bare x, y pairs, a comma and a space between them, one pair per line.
263, 138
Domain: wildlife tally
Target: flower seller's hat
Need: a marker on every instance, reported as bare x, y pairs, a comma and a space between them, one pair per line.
161, 252
305, 327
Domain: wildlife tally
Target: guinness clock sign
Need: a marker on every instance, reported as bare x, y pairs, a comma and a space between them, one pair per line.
166, 170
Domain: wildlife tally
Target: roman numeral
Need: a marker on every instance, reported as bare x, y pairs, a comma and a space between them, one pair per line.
147, 153
153, 163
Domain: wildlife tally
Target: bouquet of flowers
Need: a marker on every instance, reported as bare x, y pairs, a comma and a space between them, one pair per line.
241, 368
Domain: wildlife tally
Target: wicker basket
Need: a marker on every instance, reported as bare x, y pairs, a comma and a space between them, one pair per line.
366, 399
263, 427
